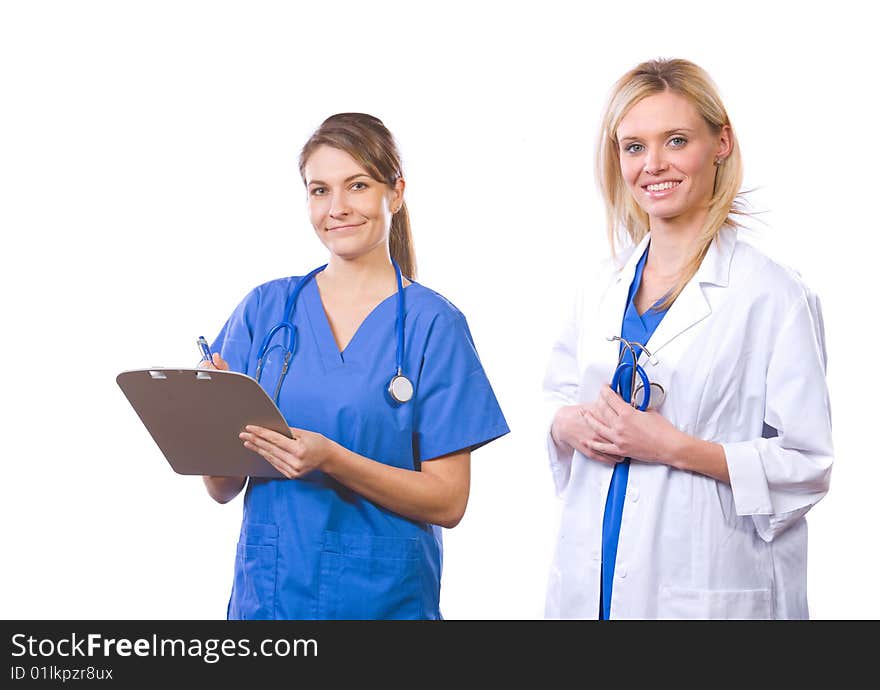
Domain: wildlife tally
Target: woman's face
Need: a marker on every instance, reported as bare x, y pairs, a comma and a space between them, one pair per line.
350, 211
667, 156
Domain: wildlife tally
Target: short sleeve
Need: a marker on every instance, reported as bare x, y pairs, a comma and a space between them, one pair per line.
456, 408
235, 340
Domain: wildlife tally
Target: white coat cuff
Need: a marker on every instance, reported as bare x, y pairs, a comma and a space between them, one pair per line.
560, 465
751, 495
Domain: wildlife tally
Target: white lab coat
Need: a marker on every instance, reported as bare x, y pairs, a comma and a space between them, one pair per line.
741, 354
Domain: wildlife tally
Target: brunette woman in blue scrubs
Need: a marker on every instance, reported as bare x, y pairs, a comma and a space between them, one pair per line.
372, 473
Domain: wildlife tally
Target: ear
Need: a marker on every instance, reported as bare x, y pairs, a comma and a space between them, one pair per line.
396, 200
725, 143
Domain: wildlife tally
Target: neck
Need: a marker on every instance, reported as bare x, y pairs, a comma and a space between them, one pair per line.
672, 240
365, 274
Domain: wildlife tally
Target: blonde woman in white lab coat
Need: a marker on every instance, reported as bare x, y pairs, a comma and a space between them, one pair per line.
694, 509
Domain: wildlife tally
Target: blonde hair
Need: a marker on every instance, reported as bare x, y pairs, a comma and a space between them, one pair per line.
366, 139
622, 212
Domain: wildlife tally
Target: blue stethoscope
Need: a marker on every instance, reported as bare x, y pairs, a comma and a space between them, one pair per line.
400, 388
644, 393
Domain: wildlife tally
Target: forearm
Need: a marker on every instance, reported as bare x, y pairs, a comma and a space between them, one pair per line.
695, 455
224, 489
422, 496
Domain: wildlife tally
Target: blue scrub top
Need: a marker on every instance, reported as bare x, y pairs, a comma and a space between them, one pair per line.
636, 328
311, 548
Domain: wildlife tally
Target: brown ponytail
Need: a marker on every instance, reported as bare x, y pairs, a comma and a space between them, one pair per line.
366, 139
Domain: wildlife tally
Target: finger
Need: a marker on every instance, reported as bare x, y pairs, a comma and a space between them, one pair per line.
604, 410
272, 437
278, 463
266, 453
597, 412
606, 459
599, 427
584, 408
264, 444
604, 447
612, 400
586, 448
278, 457
219, 362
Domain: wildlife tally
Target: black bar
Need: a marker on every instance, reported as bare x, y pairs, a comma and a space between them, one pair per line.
147, 653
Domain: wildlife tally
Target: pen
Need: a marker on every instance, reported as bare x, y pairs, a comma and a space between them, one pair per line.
205, 350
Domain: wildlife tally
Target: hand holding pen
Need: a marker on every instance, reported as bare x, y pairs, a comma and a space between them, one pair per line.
221, 489
210, 360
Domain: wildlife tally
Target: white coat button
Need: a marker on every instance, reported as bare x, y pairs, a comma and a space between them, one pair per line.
621, 573
634, 495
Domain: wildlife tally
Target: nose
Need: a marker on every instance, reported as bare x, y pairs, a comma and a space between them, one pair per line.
654, 163
339, 206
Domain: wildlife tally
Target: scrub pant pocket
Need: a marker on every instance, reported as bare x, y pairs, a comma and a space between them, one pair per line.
369, 577
256, 568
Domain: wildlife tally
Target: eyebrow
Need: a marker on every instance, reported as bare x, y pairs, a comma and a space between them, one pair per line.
665, 134
347, 179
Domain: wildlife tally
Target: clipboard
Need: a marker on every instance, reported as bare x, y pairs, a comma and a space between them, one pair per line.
196, 415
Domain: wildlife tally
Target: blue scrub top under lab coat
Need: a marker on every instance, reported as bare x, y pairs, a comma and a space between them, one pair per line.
636, 328
310, 547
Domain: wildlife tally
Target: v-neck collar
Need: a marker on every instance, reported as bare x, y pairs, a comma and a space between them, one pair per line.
634, 288
330, 353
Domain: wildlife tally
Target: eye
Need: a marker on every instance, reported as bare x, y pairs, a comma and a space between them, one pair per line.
677, 142
634, 148
318, 191
359, 185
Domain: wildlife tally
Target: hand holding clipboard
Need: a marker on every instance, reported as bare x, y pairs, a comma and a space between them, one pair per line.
195, 416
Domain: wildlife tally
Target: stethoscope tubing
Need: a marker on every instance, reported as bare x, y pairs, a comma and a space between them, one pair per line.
290, 332
398, 326
637, 372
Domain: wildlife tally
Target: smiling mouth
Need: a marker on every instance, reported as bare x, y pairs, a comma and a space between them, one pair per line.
344, 227
662, 186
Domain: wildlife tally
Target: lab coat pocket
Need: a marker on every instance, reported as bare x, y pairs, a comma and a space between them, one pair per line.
370, 577
256, 567
678, 602
572, 588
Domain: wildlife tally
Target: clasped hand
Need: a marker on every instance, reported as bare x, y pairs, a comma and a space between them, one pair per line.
609, 430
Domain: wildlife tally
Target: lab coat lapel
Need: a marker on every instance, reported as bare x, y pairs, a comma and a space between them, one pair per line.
614, 303
692, 305
689, 309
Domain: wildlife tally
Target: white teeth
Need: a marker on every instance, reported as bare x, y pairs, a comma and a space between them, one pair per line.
661, 187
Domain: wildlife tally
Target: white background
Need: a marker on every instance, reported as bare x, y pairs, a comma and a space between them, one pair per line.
148, 180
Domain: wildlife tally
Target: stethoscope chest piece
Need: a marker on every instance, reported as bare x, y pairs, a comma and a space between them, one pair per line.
639, 381
658, 395
400, 389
